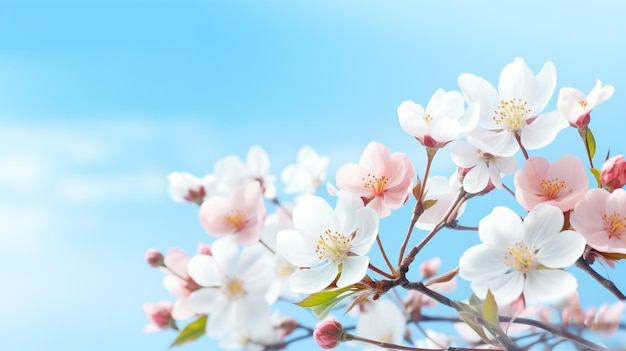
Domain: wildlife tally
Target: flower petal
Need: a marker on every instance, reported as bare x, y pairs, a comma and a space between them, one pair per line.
548, 285
314, 279
353, 270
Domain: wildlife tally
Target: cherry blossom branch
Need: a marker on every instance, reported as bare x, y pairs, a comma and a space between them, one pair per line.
447, 218
508, 189
583, 135
455, 225
518, 138
387, 345
609, 285
554, 329
419, 205
382, 251
380, 271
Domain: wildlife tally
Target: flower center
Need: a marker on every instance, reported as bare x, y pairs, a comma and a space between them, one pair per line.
285, 269
233, 289
614, 224
521, 258
377, 184
428, 119
551, 188
333, 246
236, 219
511, 114
583, 104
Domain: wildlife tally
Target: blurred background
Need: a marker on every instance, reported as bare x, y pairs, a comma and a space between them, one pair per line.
100, 100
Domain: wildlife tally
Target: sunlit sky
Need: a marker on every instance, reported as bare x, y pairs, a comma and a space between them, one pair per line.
100, 100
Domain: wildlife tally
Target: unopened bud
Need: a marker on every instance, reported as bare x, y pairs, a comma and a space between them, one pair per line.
204, 249
159, 315
288, 325
613, 172
430, 267
328, 334
154, 258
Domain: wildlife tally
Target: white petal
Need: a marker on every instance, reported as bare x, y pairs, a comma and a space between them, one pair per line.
353, 270
542, 223
477, 89
543, 130
562, 250
204, 270
257, 161
226, 255
295, 250
548, 285
367, 222
464, 154
476, 179
312, 216
546, 82
202, 300
222, 318
314, 279
500, 229
480, 263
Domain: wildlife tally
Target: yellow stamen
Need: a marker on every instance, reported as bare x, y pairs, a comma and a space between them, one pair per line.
511, 114
377, 184
521, 258
334, 247
583, 103
614, 224
551, 188
428, 119
234, 289
236, 219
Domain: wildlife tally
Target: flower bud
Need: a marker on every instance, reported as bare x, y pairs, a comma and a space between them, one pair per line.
159, 315
430, 267
154, 258
328, 334
287, 326
204, 249
613, 172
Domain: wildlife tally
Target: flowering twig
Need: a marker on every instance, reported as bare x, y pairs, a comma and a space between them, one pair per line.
609, 285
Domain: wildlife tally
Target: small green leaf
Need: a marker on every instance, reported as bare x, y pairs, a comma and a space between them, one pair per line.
321, 311
191, 332
322, 297
475, 301
591, 143
490, 310
429, 203
596, 174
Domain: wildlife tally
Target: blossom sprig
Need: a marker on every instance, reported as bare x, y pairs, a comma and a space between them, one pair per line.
519, 272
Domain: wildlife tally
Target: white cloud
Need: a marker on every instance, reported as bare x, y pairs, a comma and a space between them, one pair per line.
142, 186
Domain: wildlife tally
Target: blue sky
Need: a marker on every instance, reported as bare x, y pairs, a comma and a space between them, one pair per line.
100, 100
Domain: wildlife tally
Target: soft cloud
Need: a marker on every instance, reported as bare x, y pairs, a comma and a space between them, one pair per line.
143, 186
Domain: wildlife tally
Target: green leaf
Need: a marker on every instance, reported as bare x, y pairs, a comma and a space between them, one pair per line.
591, 143
322, 297
191, 332
596, 174
429, 203
321, 311
475, 301
490, 310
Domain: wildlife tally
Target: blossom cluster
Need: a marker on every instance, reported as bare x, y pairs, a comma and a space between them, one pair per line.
316, 251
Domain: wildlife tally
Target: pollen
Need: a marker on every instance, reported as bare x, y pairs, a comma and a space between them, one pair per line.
614, 225
235, 219
428, 119
376, 184
551, 188
511, 115
333, 246
583, 104
234, 289
521, 257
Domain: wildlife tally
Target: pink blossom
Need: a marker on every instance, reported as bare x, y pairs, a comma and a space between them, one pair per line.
613, 172
607, 319
561, 184
154, 258
241, 214
382, 179
160, 316
187, 187
600, 217
178, 282
204, 249
430, 267
328, 333
576, 107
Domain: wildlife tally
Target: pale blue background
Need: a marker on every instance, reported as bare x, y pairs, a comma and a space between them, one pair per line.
100, 100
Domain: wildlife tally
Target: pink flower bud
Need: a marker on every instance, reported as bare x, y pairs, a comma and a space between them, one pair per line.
613, 172
430, 267
154, 258
287, 326
159, 315
328, 334
204, 249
